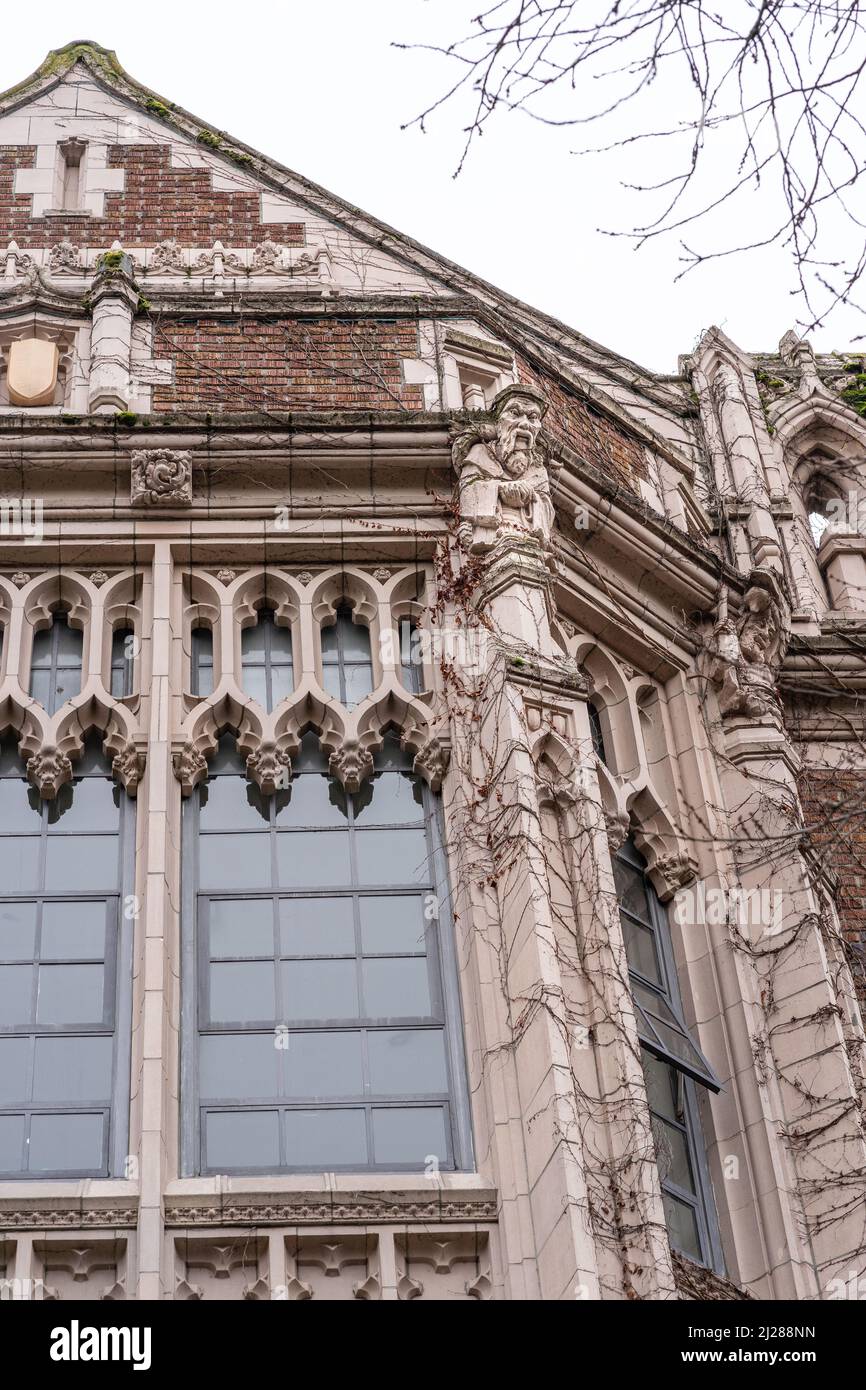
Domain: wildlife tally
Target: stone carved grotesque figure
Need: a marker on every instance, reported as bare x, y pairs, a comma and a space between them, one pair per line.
748, 652
504, 485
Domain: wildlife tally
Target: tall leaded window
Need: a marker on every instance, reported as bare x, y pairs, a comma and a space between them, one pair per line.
266, 658
347, 666
122, 661
55, 663
321, 1030
201, 662
65, 973
673, 1064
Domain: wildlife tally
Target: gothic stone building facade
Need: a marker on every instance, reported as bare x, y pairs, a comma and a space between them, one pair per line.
432, 767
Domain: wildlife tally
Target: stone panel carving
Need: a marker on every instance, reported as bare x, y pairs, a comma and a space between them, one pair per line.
222, 1270
446, 1266
162, 477
81, 1270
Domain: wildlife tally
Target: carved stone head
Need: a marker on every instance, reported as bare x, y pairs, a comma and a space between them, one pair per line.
519, 412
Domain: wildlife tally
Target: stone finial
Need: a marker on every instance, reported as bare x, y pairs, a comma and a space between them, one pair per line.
162, 477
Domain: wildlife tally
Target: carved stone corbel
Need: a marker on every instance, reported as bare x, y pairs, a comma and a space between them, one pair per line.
671, 873
617, 824
190, 768
270, 767
351, 765
48, 770
432, 761
747, 653
128, 767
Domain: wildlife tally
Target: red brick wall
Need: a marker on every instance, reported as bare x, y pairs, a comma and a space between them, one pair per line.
834, 805
587, 431
157, 202
288, 364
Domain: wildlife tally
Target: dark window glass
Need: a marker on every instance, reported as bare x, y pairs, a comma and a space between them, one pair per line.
55, 663
201, 662
60, 958
122, 661
320, 1014
411, 665
595, 730
266, 658
672, 1063
347, 666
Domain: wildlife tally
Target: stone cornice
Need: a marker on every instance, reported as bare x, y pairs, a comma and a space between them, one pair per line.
441, 1205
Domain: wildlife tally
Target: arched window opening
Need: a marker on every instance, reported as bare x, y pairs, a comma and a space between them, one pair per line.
347, 666
825, 506
55, 663
673, 1064
122, 662
65, 973
266, 660
201, 662
320, 1037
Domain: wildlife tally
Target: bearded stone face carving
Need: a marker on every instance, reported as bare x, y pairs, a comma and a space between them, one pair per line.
504, 487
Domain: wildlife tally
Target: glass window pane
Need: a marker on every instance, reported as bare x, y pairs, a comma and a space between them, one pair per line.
13, 1070
330, 644
323, 1066
41, 686
672, 1155
316, 927
407, 1062
242, 1139
313, 861
241, 927
631, 889
74, 1070
237, 1066
396, 988
326, 1139
74, 863
17, 931
73, 931
232, 803
395, 799
682, 1226
40, 655
319, 989
331, 681
70, 641
19, 862
359, 683
66, 685
661, 1085
235, 861
282, 684
16, 812
11, 1143
255, 684
87, 804
70, 994
410, 1136
640, 950
67, 1143
242, 992
16, 986
354, 639
253, 641
281, 643
392, 924
313, 800
392, 856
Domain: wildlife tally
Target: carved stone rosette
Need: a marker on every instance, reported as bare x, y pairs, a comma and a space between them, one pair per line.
161, 477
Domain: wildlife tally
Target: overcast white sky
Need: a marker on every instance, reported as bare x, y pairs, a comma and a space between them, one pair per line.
319, 87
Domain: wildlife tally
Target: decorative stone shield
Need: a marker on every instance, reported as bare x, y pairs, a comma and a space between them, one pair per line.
32, 371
